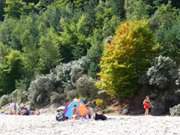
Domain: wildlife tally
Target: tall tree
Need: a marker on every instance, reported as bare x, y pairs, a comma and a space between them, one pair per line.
2, 5
126, 58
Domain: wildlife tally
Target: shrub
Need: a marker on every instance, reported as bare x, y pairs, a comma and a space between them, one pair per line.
57, 98
51, 88
99, 102
71, 94
86, 87
175, 110
19, 96
162, 73
4, 100
39, 91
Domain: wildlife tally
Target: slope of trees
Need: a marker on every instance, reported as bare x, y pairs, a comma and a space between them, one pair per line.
37, 36
46, 33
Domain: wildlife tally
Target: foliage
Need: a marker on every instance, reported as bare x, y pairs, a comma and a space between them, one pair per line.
19, 96
4, 100
49, 55
2, 5
11, 69
166, 23
94, 54
73, 40
59, 83
38, 35
142, 12
175, 110
57, 98
39, 91
86, 87
126, 58
162, 73
14, 8
99, 102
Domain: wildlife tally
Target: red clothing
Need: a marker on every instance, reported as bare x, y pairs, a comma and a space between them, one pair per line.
147, 105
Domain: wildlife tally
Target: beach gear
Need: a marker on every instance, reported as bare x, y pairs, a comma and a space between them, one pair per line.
83, 110
100, 117
60, 115
61, 108
70, 109
66, 107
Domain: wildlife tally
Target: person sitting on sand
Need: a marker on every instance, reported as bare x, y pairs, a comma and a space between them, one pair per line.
83, 111
24, 110
13, 108
147, 105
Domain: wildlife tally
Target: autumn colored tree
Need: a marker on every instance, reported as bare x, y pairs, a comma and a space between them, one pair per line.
126, 58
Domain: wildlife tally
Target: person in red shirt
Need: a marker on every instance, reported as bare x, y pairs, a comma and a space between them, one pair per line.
147, 105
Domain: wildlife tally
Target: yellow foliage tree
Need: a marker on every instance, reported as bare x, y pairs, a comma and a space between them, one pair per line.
126, 58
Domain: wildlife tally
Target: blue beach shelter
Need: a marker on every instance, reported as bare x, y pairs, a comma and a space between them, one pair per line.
70, 108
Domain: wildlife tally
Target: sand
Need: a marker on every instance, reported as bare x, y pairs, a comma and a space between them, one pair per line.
46, 124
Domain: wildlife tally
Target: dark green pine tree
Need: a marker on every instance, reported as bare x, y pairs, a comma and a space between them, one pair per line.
2, 4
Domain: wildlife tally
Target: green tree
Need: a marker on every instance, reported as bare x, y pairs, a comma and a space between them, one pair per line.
6, 30
48, 52
73, 40
126, 59
2, 5
11, 70
14, 8
137, 9
165, 24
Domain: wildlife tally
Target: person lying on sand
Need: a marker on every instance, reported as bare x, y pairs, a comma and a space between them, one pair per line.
99, 115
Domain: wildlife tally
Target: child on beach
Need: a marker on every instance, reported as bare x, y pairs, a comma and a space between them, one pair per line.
147, 105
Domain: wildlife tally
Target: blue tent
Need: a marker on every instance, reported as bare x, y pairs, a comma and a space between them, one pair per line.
70, 108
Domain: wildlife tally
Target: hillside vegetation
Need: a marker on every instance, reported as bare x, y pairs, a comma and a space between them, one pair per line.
54, 50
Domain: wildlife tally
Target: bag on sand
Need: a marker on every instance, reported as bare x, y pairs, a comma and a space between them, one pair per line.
60, 116
100, 117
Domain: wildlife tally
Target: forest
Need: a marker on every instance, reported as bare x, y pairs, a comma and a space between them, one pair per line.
54, 50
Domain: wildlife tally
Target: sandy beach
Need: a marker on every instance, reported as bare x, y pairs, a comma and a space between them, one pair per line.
116, 125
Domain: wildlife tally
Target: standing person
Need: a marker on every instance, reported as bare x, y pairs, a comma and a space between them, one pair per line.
147, 105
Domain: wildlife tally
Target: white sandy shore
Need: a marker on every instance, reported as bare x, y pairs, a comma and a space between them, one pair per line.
117, 125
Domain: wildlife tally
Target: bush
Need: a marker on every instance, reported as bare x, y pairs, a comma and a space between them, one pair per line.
4, 100
99, 102
86, 87
57, 98
51, 88
162, 73
71, 94
19, 96
67, 74
39, 91
175, 110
